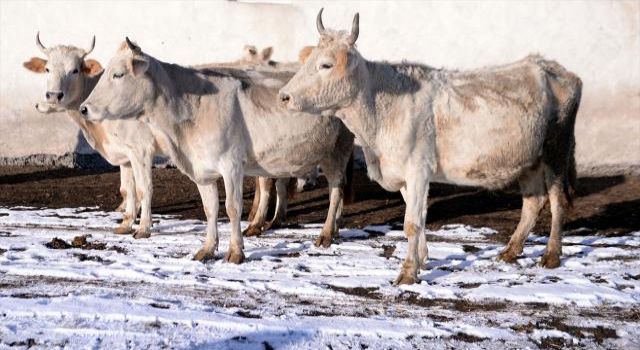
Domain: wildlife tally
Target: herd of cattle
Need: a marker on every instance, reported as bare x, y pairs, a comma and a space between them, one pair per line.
416, 124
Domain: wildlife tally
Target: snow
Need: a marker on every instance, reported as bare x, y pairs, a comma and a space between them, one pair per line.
291, 294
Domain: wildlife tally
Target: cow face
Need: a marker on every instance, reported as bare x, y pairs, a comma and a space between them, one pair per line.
66, 70
327, 79
124, 88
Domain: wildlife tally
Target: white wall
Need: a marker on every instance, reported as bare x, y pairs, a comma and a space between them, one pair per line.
598, 40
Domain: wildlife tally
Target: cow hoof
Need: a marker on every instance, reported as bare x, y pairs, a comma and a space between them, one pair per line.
204, 255
272, 225
142, 234
123, 230
508, 257
550, 261
324, 241
234, 257
406, 278
252, 231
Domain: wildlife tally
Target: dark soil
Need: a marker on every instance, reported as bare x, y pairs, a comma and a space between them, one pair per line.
607, 205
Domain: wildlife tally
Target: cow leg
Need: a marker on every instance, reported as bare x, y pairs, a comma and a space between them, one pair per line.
282, 202
423, 250
551, 256
533, 199
335, 176
124, 178
128, 190
144, 190
233, 203
415, 194
255, 227
256, 200
211, 204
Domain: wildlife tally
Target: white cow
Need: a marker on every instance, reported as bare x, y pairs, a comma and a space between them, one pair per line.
488, 127
221, 122
125, 143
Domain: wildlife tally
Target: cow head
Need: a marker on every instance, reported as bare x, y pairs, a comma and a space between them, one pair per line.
328, 77
252, 56
66, 70
124, 88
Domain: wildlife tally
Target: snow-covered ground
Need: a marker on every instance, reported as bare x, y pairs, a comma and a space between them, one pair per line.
116, 292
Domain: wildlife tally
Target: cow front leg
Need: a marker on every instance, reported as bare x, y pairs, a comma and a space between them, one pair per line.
415, 195
124, 189
211, 205
233, 203
144, 191
330, 227
263, 185
128, 190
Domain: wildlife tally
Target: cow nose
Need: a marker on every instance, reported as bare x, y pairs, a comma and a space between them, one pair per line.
60, 96
284, 98
84, 111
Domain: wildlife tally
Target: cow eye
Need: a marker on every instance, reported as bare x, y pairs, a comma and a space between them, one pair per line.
75, 71
118, 75
46, 70
326, 66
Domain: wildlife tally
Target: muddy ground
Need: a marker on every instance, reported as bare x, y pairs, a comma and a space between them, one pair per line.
607, 205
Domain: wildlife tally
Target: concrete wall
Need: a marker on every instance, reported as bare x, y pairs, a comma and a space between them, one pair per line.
599, 40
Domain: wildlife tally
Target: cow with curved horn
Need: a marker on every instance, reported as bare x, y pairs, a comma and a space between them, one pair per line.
221, 122
488, 127
128, 144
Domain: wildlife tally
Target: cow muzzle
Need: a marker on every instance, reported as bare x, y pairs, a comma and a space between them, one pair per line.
54, 97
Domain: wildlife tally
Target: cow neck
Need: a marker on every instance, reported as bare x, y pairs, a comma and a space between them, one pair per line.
169, 109
87, 127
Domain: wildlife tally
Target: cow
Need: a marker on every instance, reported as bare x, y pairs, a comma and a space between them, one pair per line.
221, 122
284, 188
488, 127
128, 144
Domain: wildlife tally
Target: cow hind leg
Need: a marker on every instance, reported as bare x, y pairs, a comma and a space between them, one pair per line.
128, 189
233, 204
263, 186
282, 202
334, 172
211, 204
558, 204
532, 186
256, 200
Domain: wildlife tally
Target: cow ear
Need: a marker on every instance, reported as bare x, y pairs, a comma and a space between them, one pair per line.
304, 53
91, 67
138, 66
266, 53
35, 64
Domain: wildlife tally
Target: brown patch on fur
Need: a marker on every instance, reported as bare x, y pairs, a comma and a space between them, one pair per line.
35, 64
91, 67
411, 229
304, 53
98, 134
341, 62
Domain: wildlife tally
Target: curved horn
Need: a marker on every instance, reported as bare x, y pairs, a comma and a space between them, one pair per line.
319, 24
355, 29
93, 44
39, 44
131, 45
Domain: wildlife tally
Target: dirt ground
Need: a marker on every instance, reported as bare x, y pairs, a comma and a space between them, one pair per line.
603, 204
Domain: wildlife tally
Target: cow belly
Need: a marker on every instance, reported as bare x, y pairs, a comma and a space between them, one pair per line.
489, 157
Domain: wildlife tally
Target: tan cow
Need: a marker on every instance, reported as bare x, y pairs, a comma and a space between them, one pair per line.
125, 143
488, 127
222, 123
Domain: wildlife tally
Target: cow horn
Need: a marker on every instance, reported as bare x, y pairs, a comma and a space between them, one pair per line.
319, 24
93, 44
40, 46
131, 45
355, 29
